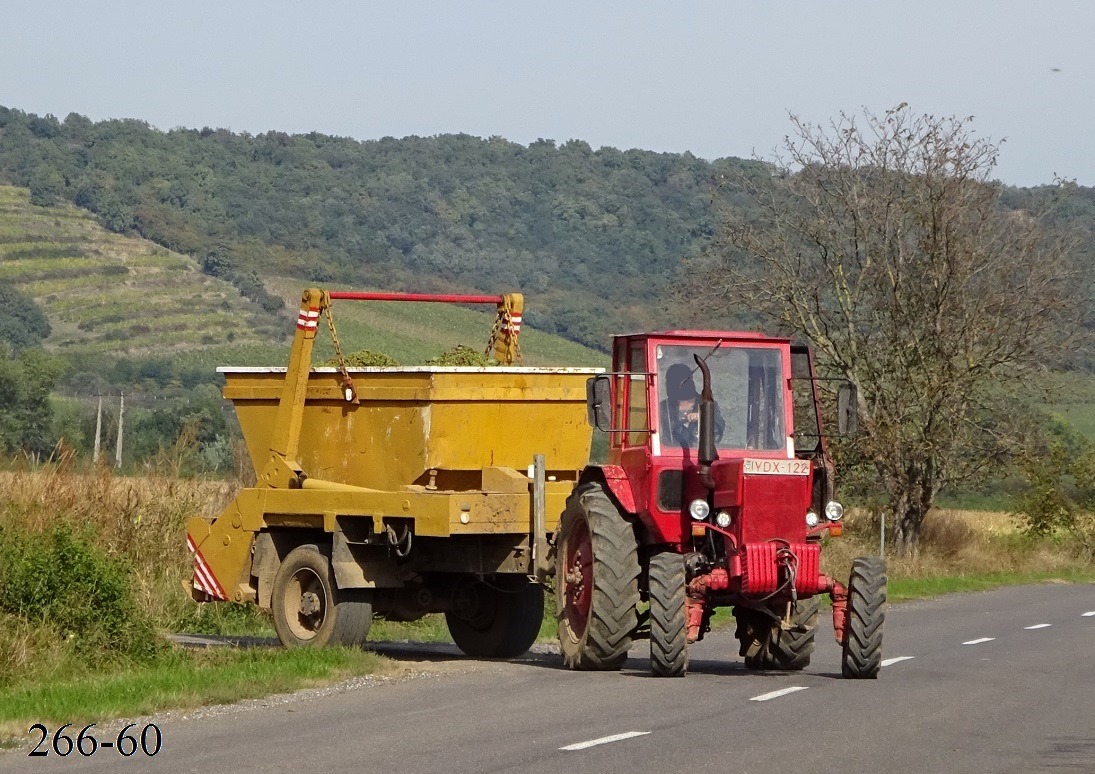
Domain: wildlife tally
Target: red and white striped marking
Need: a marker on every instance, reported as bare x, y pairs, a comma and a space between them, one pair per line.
204, 579
308, 320
515, 324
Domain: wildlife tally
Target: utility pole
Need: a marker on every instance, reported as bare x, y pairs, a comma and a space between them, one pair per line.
98, 431
121, 415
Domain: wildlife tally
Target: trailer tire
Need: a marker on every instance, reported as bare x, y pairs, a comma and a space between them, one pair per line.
596, 581
309, 610
788, 649
862, 656
668, 617
499, 619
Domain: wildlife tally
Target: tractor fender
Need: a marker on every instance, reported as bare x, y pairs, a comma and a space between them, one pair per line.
617, 482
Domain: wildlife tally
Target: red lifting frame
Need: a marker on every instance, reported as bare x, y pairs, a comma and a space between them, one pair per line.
350, 295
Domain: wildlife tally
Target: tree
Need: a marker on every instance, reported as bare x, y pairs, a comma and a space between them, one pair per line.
23, 324
881, 240
26, 414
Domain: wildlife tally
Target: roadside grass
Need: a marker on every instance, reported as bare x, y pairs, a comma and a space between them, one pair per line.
900, 589
183, 680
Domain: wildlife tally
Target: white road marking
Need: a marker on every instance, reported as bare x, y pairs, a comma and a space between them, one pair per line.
979, 641
1038, 626
896, 659
603, 740
777, 694
1090, 614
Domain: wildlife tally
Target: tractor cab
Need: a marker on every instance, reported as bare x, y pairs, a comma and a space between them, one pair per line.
756, 480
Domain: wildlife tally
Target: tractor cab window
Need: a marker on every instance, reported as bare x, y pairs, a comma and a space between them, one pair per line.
747, 384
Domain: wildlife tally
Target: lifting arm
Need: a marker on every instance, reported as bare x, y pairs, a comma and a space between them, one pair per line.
283, 470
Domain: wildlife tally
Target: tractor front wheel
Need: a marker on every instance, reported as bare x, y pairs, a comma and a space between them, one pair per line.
596, 581
668, 619
865, 618
499, 618
767, 645
310, 611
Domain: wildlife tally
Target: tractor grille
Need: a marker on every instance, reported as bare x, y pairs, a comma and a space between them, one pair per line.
763, 573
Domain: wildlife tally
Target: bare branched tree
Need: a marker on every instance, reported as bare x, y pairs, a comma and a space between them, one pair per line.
881, 239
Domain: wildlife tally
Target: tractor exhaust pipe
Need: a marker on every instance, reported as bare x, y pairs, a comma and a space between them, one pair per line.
706, 454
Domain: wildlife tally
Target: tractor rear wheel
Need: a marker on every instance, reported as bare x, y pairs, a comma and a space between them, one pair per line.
310, 611
777, 648
499, 618
865, 619
668, 619
596, 581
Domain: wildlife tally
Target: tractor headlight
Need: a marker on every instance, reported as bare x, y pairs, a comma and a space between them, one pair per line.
811, 519
722, 518
834, 511
699, 509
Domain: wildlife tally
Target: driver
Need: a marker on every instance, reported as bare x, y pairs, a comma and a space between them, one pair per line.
683, 407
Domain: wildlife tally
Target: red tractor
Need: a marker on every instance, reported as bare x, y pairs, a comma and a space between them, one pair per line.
718, 491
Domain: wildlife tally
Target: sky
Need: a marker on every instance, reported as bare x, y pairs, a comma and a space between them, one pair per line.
716, 78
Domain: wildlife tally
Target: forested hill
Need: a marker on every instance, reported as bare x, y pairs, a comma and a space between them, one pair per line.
594, 237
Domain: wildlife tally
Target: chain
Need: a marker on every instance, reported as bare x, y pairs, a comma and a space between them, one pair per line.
494, 332
347, 383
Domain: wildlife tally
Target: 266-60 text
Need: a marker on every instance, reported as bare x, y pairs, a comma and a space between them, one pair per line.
130, 741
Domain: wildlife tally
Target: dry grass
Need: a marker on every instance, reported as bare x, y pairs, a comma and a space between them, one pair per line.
959, 544
139, 520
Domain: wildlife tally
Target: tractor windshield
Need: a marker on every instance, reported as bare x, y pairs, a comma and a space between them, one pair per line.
747, 386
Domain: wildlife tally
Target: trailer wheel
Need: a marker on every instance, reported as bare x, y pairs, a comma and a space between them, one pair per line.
596, 581
309, 611
784, 649
668, 619
865, 619
496, 619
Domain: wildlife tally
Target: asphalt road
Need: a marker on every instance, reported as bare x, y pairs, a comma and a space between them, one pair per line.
979, 689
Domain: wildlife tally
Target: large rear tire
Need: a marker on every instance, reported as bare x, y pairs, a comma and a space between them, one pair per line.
310, 611
668, 616
596, 581
496, 619
862, 657
770, 646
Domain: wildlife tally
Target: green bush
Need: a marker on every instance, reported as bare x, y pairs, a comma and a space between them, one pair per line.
58, 578
363, 359
461, 355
